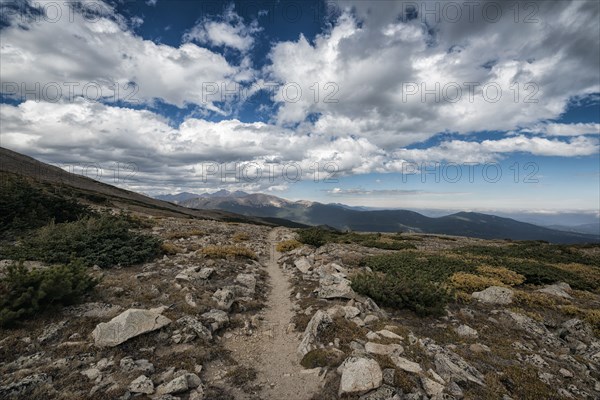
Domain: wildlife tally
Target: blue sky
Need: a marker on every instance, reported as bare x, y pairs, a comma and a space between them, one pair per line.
254, 95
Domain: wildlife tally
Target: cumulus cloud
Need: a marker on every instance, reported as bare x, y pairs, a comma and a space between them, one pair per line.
100, 58
229, 31
556, 129
461, 151
198, 150
399, 79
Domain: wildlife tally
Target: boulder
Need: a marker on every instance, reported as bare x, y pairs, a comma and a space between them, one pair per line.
431, 387
331, 286
359, 375
181, 384
317, 324
224, 298
216, 318
494, 295
247, 280
466, 331
128, 324
558, 289
303, 265
192, 324
142, 384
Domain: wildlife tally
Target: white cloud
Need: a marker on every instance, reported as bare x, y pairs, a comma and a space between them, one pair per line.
230, 31
556, 129
460, 151
94, 132
103, 51
373, 57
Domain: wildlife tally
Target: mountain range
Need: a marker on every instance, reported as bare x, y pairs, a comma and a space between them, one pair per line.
344, 217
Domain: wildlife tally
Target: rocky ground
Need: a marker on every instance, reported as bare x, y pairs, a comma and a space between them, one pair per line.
210, 321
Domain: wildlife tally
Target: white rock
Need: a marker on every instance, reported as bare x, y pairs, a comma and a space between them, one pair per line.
494, 295
128, 324
142, 384
247, 280
303, 265
317, 324
405, 365
389, 334
558, 289
383, 349
431, 387
224, 298
466, 331
359, 375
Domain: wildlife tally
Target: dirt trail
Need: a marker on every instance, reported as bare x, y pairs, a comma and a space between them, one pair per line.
272, 349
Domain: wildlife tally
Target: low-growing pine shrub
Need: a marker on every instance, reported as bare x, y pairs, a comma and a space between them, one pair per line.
312, 236
414, 292
24, 206
105, 241
24, 293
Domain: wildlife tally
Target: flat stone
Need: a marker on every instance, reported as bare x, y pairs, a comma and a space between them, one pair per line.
383, 349
128, 324
558, 289
389, 334
405, 365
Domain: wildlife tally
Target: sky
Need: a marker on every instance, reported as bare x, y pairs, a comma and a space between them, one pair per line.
478, 105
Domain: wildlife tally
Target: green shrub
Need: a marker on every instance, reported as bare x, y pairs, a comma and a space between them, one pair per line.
313, 236
535, 261
24, 293
410, 280
24, 206
103, 241
415, 293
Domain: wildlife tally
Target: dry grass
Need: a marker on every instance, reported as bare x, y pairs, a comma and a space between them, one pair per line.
504, 275
535, 300
591, 316
170, 249
288, 245
229, 251
241, 237
469, 283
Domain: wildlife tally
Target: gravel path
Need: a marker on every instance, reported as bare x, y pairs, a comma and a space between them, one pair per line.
272, 349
